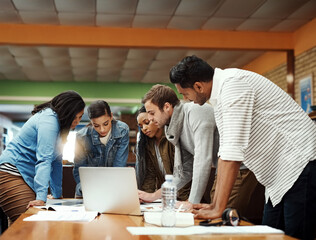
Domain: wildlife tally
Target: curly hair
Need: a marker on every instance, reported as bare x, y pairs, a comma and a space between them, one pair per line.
140, 165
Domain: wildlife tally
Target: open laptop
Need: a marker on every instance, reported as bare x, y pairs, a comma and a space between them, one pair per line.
110, 190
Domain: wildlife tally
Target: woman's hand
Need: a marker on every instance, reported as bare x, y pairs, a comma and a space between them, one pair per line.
35, 203
50, 196
184, 206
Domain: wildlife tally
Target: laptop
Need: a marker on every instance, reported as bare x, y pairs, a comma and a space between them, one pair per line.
110, 190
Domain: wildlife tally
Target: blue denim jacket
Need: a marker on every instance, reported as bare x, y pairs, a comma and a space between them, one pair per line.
91, 152
34, 153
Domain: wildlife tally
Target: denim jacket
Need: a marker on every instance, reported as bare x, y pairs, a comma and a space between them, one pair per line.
35, 154
92, 153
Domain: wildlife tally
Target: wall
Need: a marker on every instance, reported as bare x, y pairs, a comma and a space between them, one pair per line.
5, 129
305, 64
130, 120
28, 92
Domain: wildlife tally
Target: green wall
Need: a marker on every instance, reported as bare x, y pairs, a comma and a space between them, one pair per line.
97, 90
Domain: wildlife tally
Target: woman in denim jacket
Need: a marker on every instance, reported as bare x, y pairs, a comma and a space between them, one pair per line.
102, 143
32, 160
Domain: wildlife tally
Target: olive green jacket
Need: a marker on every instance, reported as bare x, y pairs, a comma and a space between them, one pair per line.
154, 178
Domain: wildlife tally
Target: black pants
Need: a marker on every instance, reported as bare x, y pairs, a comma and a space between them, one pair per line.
3, 221
296, 213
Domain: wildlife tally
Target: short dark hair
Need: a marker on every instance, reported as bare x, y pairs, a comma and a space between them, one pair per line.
160, 94
99, 108
189, 70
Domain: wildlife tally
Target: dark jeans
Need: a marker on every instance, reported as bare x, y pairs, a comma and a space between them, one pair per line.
3, 221
296, 213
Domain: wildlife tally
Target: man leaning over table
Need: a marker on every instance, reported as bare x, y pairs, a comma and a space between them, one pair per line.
189, 128
263, 127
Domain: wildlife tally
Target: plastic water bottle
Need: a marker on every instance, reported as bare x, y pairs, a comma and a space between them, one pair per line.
169, 197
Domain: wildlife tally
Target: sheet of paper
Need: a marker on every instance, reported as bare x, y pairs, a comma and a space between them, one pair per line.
203, 230
155, 206
64, 202
62, 208
81, 216
151, 207
182, 219
66, 205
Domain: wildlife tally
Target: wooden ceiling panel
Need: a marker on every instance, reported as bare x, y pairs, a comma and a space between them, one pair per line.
127, 7
84, 62
18, 74
113, 53
77, 19
79, 6
23, 51
5, 52
34, 5
56, 62
161, 64
156, 76
197, 7
48, 52
6, 5
42, 17
29, 61
144, 21
10, 16
7, 61
154, 7
83, 52
60, 71
142, 54
288, 25
111, 64
223, 23
170, 55
259, 25
130, 63
186, 23
36, 74
238, 9
306, 11
111, 20
204, 54
279, 9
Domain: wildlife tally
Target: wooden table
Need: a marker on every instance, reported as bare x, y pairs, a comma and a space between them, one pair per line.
105, 227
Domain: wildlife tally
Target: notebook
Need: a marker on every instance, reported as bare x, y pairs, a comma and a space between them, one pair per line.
110, 190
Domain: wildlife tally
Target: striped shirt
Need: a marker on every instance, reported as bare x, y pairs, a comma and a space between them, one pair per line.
9, 168
262, 126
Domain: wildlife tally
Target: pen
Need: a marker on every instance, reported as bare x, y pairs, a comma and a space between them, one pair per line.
180, 208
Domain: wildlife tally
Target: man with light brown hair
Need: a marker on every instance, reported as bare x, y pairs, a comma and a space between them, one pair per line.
189, 129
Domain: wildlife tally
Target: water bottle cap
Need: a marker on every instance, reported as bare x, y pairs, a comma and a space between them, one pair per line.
169, 177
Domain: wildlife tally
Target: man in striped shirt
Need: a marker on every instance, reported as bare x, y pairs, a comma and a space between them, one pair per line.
263, 127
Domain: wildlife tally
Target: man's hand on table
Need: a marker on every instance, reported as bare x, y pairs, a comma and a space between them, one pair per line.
206, 211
